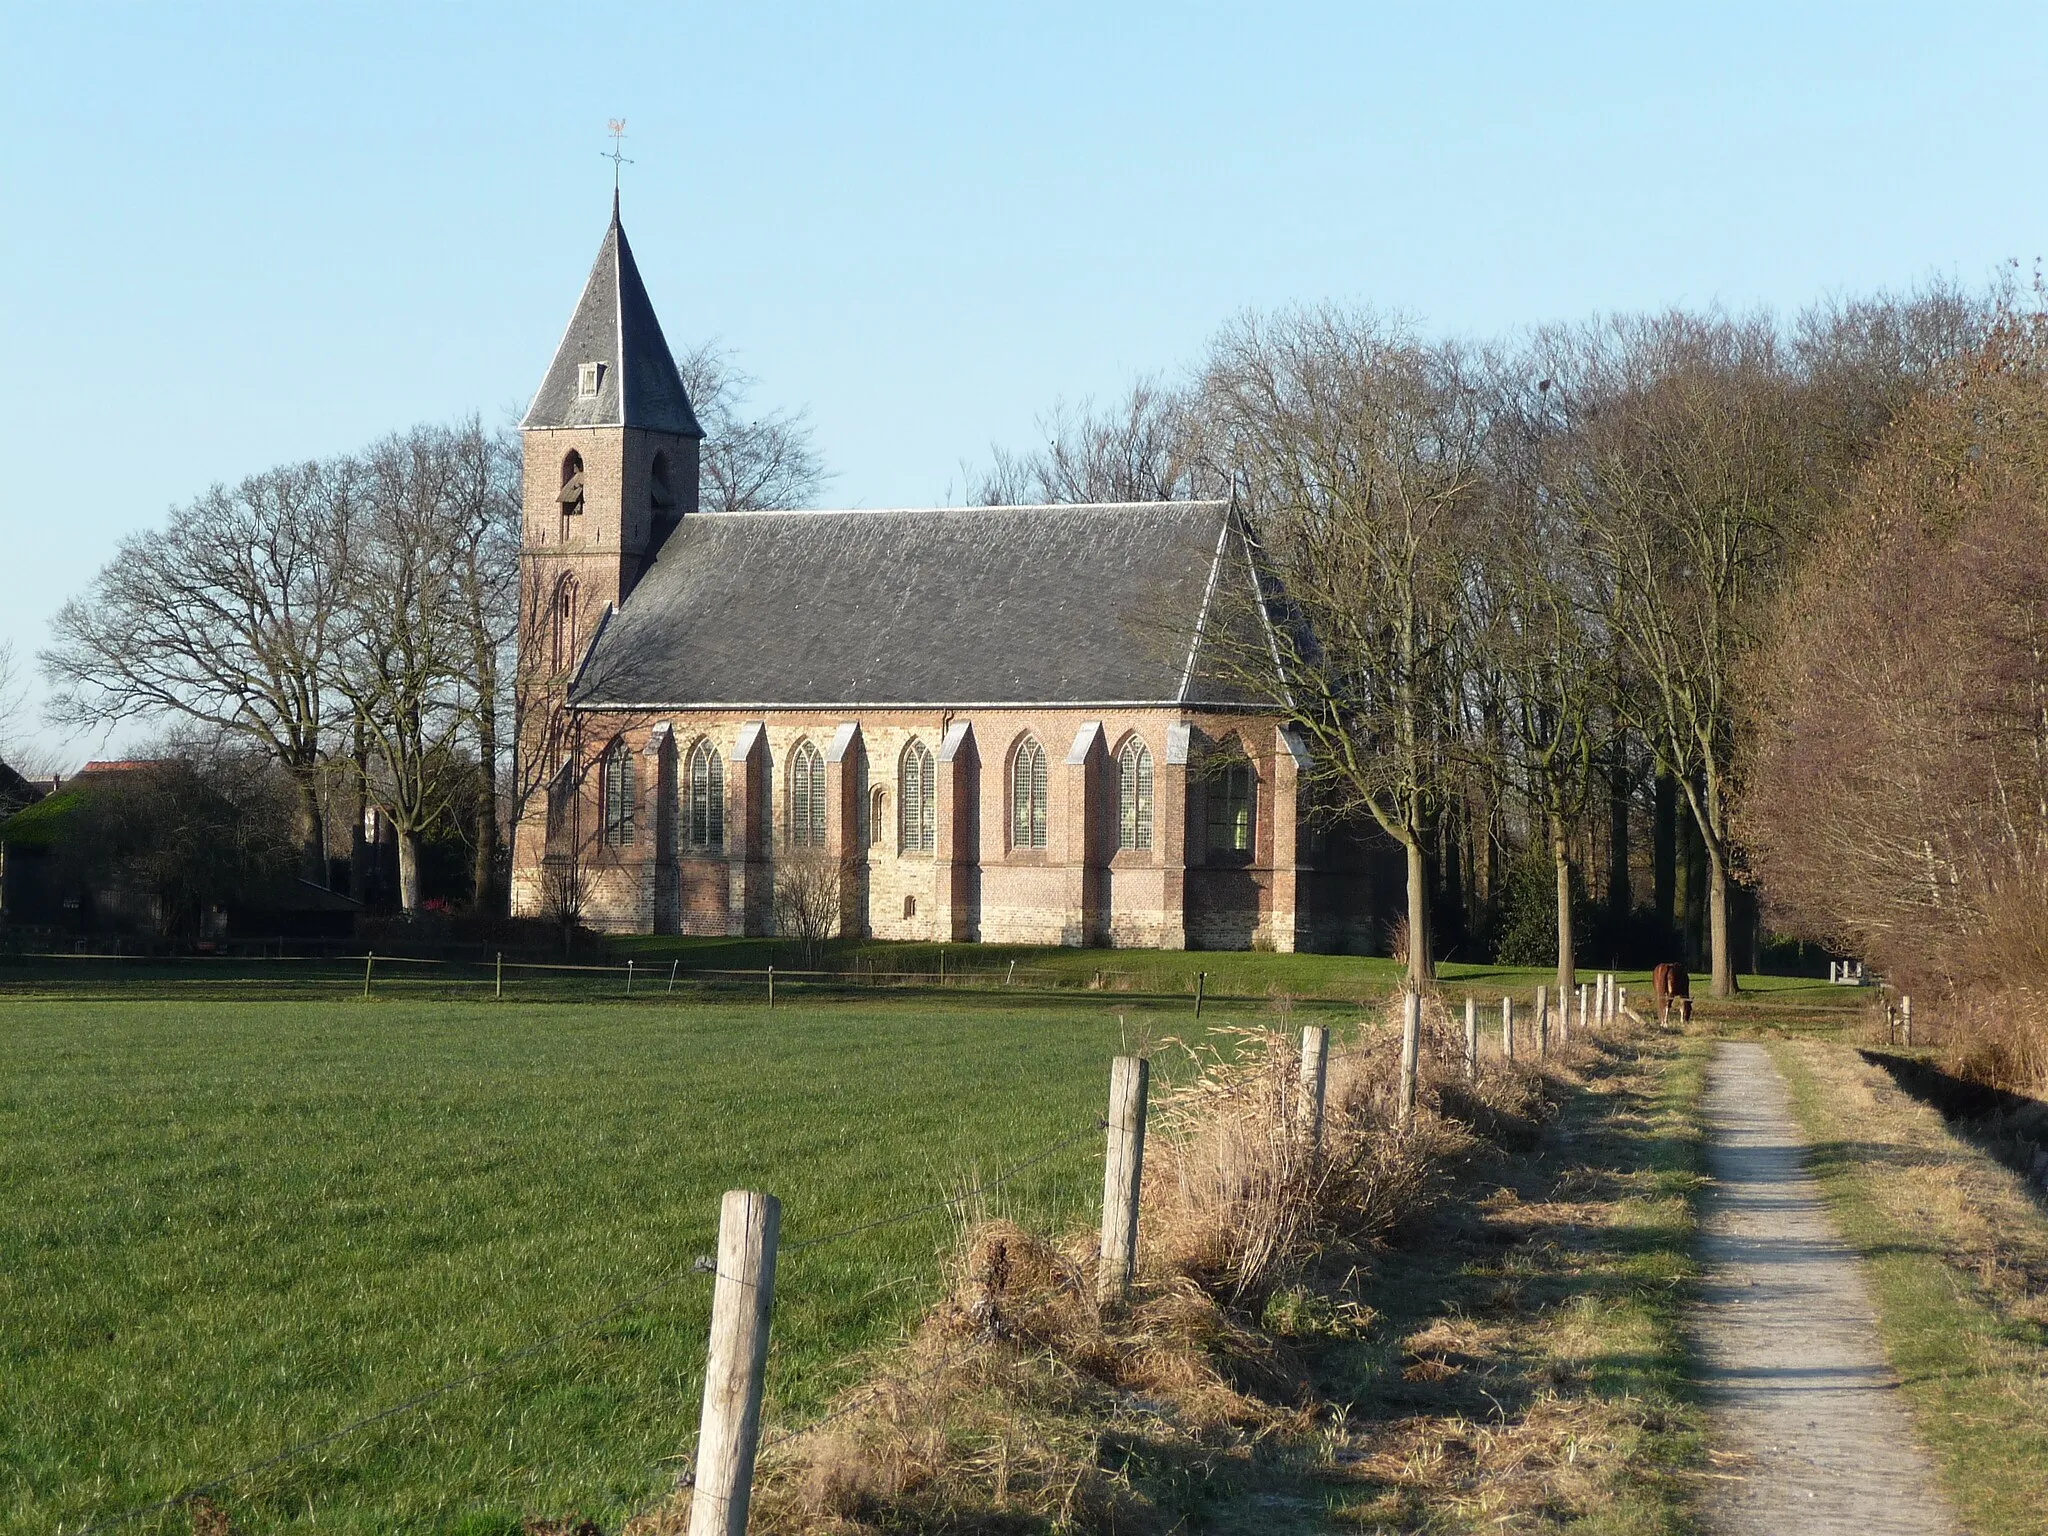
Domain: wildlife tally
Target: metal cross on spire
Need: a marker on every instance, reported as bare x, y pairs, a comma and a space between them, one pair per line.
617, 128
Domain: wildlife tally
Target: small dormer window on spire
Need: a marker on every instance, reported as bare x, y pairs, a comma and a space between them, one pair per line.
588, 377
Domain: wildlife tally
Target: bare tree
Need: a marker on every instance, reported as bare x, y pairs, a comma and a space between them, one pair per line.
13, 701
749, 463
483, 525
1151, 447
1360, 452
228, 618
1537, 635
404, 662
807, 899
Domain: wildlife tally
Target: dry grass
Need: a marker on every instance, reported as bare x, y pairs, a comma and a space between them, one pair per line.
1957, 1250
1225, 1393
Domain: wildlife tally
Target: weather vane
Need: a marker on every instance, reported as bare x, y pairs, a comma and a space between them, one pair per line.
617, 128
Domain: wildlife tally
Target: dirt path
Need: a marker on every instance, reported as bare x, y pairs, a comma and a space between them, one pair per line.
1787, 1340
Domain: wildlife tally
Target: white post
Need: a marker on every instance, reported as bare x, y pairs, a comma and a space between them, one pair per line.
1123, 1172
1542, 1021
1906, 1017
1411, 1051
1315, 1078
749, 1226
1507, 1028
1471, 1039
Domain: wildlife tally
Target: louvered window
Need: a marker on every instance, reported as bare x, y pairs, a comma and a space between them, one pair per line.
1134, 796
807, 797
617, 778
918, 800
1027, 796
707, 797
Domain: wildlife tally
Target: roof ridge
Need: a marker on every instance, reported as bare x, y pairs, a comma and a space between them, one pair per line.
1203, 504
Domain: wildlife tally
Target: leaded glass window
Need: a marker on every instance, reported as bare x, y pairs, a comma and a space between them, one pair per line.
1027, 796
807, 796
1134, 795
918, 800
616, 777
1230, 809
707, 797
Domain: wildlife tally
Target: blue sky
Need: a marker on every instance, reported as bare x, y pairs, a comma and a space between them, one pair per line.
236, 236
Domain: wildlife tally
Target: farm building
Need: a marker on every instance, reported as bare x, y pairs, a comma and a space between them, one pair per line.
997, 724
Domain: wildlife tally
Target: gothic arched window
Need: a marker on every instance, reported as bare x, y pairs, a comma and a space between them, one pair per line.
1134, 796
707, 797
1232, 788
1027, 795
616, 777
918, 799
807, 796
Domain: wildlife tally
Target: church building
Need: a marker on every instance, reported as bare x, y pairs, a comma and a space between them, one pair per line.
995, 724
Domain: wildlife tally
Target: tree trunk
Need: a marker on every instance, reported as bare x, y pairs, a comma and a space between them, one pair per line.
312, 833
1421, 969
408, 870
489, 834
1717, 921
1664, 852
1620, 898
1567, 959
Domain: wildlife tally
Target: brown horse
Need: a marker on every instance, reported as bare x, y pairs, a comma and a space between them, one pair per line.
1672, 985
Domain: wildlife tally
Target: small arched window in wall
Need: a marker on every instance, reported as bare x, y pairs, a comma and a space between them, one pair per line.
1027, 795
661, 494
571, 495
878, 815
562, 626
807, 797
707, 797
616, 776
918, 800
1134, 796
1230, 810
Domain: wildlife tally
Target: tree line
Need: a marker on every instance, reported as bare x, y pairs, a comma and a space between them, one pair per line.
1515, 584
1524, 596
348, 624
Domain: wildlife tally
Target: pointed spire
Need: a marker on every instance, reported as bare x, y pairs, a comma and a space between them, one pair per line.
615, 333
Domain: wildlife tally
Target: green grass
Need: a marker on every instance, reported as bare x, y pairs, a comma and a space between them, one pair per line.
229, 1227
1967, 1339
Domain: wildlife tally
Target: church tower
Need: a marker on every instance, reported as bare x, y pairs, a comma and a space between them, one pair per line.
611, 461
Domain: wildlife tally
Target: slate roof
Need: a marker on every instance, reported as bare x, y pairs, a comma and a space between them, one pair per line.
614, 325
963, 606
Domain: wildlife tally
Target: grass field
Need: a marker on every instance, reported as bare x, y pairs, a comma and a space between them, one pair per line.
240, 1206
233, 1226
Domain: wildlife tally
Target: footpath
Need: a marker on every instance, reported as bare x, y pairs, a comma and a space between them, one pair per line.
1786, 1338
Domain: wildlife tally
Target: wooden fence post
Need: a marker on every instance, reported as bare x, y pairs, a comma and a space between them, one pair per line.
1471, 1039
1620, 1002
1542, 1021
1411, 1051
1123, 1172
674, 966
501, 974
629, 978
369, 965
749, 1226
1906, 1017
1315, 1080
942, 965
1507, 1028
1201, 982
771, 986
1013, 974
